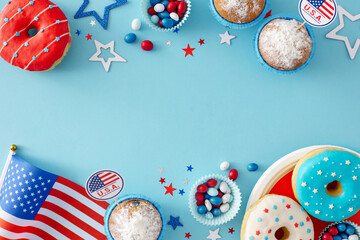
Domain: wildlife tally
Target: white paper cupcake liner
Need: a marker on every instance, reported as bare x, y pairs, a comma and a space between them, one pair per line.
224, 217
232, 25
357, 228
145, 4
264, 63
133, 196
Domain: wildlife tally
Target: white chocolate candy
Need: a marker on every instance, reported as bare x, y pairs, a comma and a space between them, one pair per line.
224, 208
208, 205
159, 7
136, 24
224, 187
224, 165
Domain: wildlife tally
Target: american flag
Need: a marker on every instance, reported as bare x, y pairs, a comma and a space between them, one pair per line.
325, 7
35, 204
102, 179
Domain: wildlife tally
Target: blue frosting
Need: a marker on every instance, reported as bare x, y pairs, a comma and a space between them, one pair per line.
319, 171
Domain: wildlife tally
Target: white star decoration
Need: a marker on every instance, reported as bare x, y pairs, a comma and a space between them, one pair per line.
186, 181
214, 235
319, 172
161, 170
304, 184
106, 64
307, 204
226, 38
331, 206
333, 174
351, 209
92, 23
317, 212
347, 162
333, 34
168, 42
326, 159
354, 178
315, 190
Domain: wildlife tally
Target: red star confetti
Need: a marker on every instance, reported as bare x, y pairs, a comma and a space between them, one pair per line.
268, 14
88, 37
231, 230
288, 206
162, 180
187, 235
169, 189
202, 41
188, 50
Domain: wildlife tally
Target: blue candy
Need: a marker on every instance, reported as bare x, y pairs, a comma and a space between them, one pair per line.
130, 38
155, 19
167, 22
341, 227
164, 14
343, 236
154, 2
165, 3
216, 212
201, 209
349, 230
337, 237
206, 196
209, 215
252, 167
213, 192
215, 200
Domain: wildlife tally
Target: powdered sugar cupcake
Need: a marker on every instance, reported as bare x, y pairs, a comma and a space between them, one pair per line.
239, 14
284, 45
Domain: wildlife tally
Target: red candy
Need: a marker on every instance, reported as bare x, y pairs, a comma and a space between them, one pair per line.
333, 230
199, 203
160, 23
216, 206
182, 7
202, 188
147, 45
199, 197
220, 194
181, 15
233, 174
151, 11
171, 7
327, 236
211, 183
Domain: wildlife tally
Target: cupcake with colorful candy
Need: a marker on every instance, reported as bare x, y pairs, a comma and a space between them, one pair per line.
166, 15
341, 231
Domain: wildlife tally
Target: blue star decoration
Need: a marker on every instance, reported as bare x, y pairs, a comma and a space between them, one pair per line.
176, 30
78, 32
190, 168
175, 222
181, 192
104, 20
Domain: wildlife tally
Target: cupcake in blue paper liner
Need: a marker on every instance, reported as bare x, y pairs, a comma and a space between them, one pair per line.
136, 217
214, 200
239, 14
341, 230
284, 45
165, 15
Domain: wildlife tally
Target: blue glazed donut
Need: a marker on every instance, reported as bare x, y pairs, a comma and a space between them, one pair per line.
326, 182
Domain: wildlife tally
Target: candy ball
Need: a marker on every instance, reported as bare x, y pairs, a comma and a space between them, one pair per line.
226, 198
354, 237
159, 7
343, 235
202, 188
216, 212
327, 236
199, 203
220, 194
130, 38
252, 167
333, 230
224, 208
231, 198
216, 206
155, 19
165, 3
201, 209
209, 215
151, 11
211, 182
199, 197
182, 7
206, 196
224, 187
215, 200
341, 227
171, 7
337, 237
208, 205
174, 16
154, 2
224, 165
160, 23
233, 174
167, 22
349, 230
136, 24
164, 14
212, 192
147, 45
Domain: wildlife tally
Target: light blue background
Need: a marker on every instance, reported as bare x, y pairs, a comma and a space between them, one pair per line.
163, 110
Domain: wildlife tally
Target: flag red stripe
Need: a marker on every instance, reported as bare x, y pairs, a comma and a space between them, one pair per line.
57, 226
113, 181
323, 7
331, 7
74, 220
105, 179
80, 190
324, 13
20, 229
106, 174
78, 205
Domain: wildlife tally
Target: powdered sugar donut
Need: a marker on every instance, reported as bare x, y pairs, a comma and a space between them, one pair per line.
276, 217
47, 47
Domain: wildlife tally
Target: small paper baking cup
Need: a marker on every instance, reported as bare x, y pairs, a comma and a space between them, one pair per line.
133, 196
145, 4
261, 59
357, 228
232, 25
224, 217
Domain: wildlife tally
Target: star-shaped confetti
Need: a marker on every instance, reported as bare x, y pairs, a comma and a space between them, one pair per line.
187, 235
201, 41
106, 64
78, 32
169, 189
175, 222
88, 37
188, 50
181, 192
176, 30
162, 180
226, 38
168, 42
186, 181
214, 235
189, 168
161, 170
92, 23
268, 14
102, 20
231, 230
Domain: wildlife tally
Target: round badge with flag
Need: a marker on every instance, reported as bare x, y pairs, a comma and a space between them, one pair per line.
104, 185
318, 13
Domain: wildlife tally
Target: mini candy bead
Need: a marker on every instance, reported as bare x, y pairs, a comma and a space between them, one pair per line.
159, 7
226, 198
199, 203
164, 14
211, 183
165, 3
202, 188
207, 196
349, 230
224, 187
201, 209
231, 198
212, 192
160, 24
208, 205
209, 215
344, 236
220, 194
233, 174
216, 206
199, 197
182, 7
327, 236
216, 212
252, 167
337, 237
174, 16
130, 38
215, 200
154, 2
341, 227
224, 208
136, 24
171, 7
224, 165
167, 22
333, 230
147, 45
354, 237
155, 19
151, 11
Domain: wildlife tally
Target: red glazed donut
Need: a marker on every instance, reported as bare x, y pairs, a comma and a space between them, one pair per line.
41, 52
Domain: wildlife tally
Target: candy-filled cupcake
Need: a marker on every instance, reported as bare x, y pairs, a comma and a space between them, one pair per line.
341, 231
284, 44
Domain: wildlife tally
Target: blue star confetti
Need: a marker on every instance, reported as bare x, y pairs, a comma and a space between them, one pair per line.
181, 192
103, 21
78, 32
190, 168
176, 30
175, 222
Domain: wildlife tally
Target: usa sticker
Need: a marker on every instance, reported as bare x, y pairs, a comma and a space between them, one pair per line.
318, 13
104, 185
